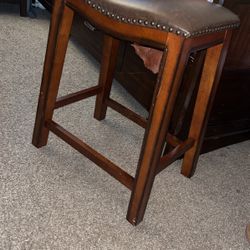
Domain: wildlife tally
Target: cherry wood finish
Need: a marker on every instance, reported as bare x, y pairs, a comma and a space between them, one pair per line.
214, 61
108, 64
177, 50
48, 92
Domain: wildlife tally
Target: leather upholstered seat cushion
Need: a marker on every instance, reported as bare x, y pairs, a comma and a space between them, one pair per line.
184, 17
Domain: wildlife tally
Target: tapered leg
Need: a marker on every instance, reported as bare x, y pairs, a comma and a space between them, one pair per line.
172, 67
109, 59
214, 61
56, 49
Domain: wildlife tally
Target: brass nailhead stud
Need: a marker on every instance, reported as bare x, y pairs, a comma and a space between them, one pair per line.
163, 27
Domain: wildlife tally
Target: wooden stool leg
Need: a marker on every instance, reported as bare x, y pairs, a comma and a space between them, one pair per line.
109, 59
172, 67
56, 49
214, 61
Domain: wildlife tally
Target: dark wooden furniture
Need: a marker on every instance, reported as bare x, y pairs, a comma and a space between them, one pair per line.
25, 6
229, 121
177, 38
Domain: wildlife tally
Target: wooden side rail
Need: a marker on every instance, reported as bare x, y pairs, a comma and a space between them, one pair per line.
131, 115
173, 140
77, 96
83, 94
174, 154
115, 171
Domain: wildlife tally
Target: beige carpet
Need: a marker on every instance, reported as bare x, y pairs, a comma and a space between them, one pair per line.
54, 198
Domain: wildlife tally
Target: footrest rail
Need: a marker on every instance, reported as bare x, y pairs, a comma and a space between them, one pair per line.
115, 171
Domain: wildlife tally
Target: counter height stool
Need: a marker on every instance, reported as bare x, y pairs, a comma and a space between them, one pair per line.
178, 27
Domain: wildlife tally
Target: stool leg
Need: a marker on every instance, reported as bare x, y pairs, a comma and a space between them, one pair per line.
109, 59
212, 69
172, 67
56, 49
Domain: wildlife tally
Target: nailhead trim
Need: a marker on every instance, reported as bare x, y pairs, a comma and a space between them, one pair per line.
206, 30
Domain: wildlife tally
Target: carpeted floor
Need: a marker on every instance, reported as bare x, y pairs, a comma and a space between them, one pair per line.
54, 198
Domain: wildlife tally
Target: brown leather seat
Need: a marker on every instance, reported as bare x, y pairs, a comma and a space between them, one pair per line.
188, 18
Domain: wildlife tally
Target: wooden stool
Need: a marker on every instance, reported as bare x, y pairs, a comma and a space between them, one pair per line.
178, 27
